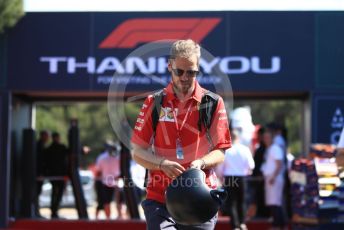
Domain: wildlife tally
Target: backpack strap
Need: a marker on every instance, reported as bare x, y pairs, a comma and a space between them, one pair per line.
206, 111
207, 108
158, 99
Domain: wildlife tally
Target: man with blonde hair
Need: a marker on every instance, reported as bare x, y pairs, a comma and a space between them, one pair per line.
178, 138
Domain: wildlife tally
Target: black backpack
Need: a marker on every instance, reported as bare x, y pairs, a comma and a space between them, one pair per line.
206, 110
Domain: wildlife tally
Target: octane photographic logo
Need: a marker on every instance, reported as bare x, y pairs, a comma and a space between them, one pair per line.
118, 98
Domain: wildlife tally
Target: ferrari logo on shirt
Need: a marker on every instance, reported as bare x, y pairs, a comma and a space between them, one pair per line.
166, 114
162, 114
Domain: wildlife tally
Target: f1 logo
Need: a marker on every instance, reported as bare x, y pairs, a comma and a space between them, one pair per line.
142, 30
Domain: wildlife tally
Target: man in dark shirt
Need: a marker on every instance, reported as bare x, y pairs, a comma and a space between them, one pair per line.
41, 165
258, 183
57, 154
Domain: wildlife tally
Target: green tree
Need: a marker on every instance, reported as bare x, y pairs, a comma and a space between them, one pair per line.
94, 124
285, 112
95, 127
10, 12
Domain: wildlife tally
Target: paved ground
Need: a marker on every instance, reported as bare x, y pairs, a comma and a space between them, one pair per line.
70, 213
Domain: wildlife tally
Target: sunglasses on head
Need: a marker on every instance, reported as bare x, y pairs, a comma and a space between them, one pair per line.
189, 73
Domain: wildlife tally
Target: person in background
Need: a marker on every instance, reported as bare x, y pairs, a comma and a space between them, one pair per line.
85, 154
98, 187
340, 151
258, 180
57, 163
41, 165
238, 164
273, 170
138, 176
280, 138
108, 170
279, 134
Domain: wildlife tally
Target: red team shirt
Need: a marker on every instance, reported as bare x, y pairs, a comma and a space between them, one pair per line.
194, 143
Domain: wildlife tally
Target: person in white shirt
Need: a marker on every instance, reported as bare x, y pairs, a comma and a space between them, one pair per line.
238, 164
273, 170
138, 176
279, 134
108, 171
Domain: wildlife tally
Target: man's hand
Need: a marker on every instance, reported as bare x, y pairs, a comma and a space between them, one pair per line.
198, 164
171, 168
272, 180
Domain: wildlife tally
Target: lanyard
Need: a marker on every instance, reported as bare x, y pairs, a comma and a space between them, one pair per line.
179, 129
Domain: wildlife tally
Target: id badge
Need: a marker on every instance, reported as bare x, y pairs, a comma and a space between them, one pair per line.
179, 150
